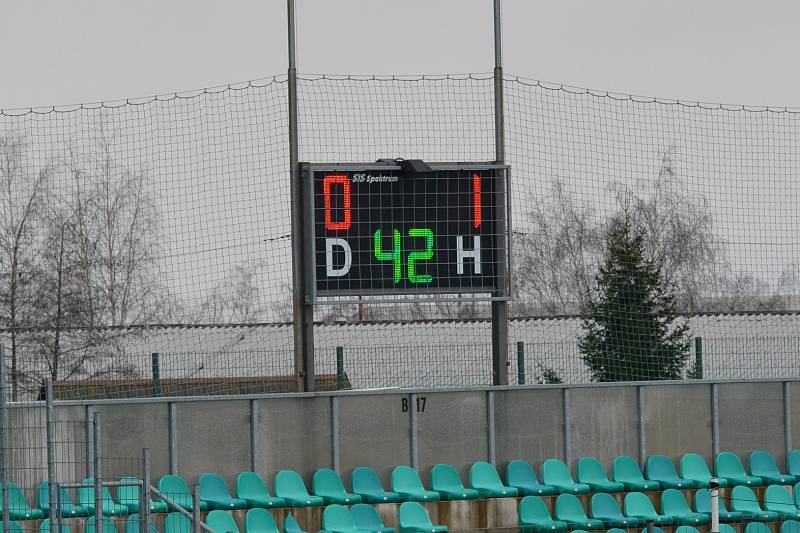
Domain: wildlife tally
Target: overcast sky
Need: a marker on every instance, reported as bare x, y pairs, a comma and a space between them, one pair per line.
62, 52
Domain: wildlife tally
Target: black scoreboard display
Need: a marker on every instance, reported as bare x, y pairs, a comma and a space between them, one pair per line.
406, 228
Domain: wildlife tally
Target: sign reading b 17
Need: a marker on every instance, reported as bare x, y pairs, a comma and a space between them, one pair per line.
385, 229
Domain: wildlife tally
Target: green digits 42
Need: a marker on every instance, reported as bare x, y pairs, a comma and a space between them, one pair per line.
395, 254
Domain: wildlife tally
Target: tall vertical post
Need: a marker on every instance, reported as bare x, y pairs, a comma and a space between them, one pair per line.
52, 487
3, 439
520, 363
144, 506
714, 488
698, 358
98, 473
156, 366
499, 308
303, 311
196, 509
339, 368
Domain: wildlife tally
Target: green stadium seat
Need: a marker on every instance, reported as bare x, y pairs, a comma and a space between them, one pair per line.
291, 525
702, 504
129, 496
68, 509
592, 473
106, 526
413, 518
687, 529
726, 528
367, 519
556, 474
250, 487
604, 507
778, 499
729, 466
520, 475
762, 465
221, 521
660, 468
214, 492
655, 530
535, 518
134, 523
743, 500
176, 489
327, 484
616, 530
406, 483
177, 523
110, 507
756, 527
13, 527
44, 527
367, 484
446, 481
337, 519
789, 526
694, 467
625, 470
793, 463
290, 486
638, 505
259, 520
570, 511
675, 506
18, 508
484, 478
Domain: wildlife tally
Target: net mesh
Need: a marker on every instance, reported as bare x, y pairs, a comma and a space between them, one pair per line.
162, 225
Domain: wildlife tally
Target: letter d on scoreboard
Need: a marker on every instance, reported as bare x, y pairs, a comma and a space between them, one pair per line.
411, 231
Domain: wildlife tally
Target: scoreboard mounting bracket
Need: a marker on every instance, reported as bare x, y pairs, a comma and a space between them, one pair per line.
406, 230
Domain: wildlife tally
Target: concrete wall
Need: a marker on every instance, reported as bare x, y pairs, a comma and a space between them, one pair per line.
307, 432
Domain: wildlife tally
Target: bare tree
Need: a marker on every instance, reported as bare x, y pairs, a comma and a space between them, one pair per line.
20, 195
235, 299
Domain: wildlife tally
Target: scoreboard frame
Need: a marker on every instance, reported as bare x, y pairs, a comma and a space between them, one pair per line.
500, 290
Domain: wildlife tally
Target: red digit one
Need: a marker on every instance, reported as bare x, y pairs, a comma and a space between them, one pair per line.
476, 200
326, 189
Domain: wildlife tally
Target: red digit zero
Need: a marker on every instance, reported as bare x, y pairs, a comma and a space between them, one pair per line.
326, 189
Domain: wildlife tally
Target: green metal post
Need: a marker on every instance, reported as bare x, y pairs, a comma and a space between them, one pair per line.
156, 376
339, 368
698, 358
521, 363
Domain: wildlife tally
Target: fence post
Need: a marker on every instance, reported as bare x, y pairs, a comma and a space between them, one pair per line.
144, 507
521, 363
98, 472
698, 358
52, 486
196, 509
156, 375
339, 368
3, 438
714, 487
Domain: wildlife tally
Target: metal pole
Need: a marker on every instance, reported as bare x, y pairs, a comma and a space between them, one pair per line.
491, 428
714, 487
335, 433
412, 412
89, 430
787, 421
698, 358
499, 308
339, 368
144, 506
303, 312
98, 472
3, 439
156, 375
520, 363
196, 509
642, 421
52, 487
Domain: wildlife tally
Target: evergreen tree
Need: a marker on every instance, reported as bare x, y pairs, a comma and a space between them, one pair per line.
632, 332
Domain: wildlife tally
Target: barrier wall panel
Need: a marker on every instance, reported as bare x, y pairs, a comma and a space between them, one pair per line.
751, 418
213, 436
294, 434
374, 431
678, 420
604, 423
452, 429
529, 425
126, 429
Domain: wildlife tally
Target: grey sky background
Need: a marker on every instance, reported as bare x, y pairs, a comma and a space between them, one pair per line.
62, 52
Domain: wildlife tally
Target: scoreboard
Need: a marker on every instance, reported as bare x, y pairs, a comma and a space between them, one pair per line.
390, 228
